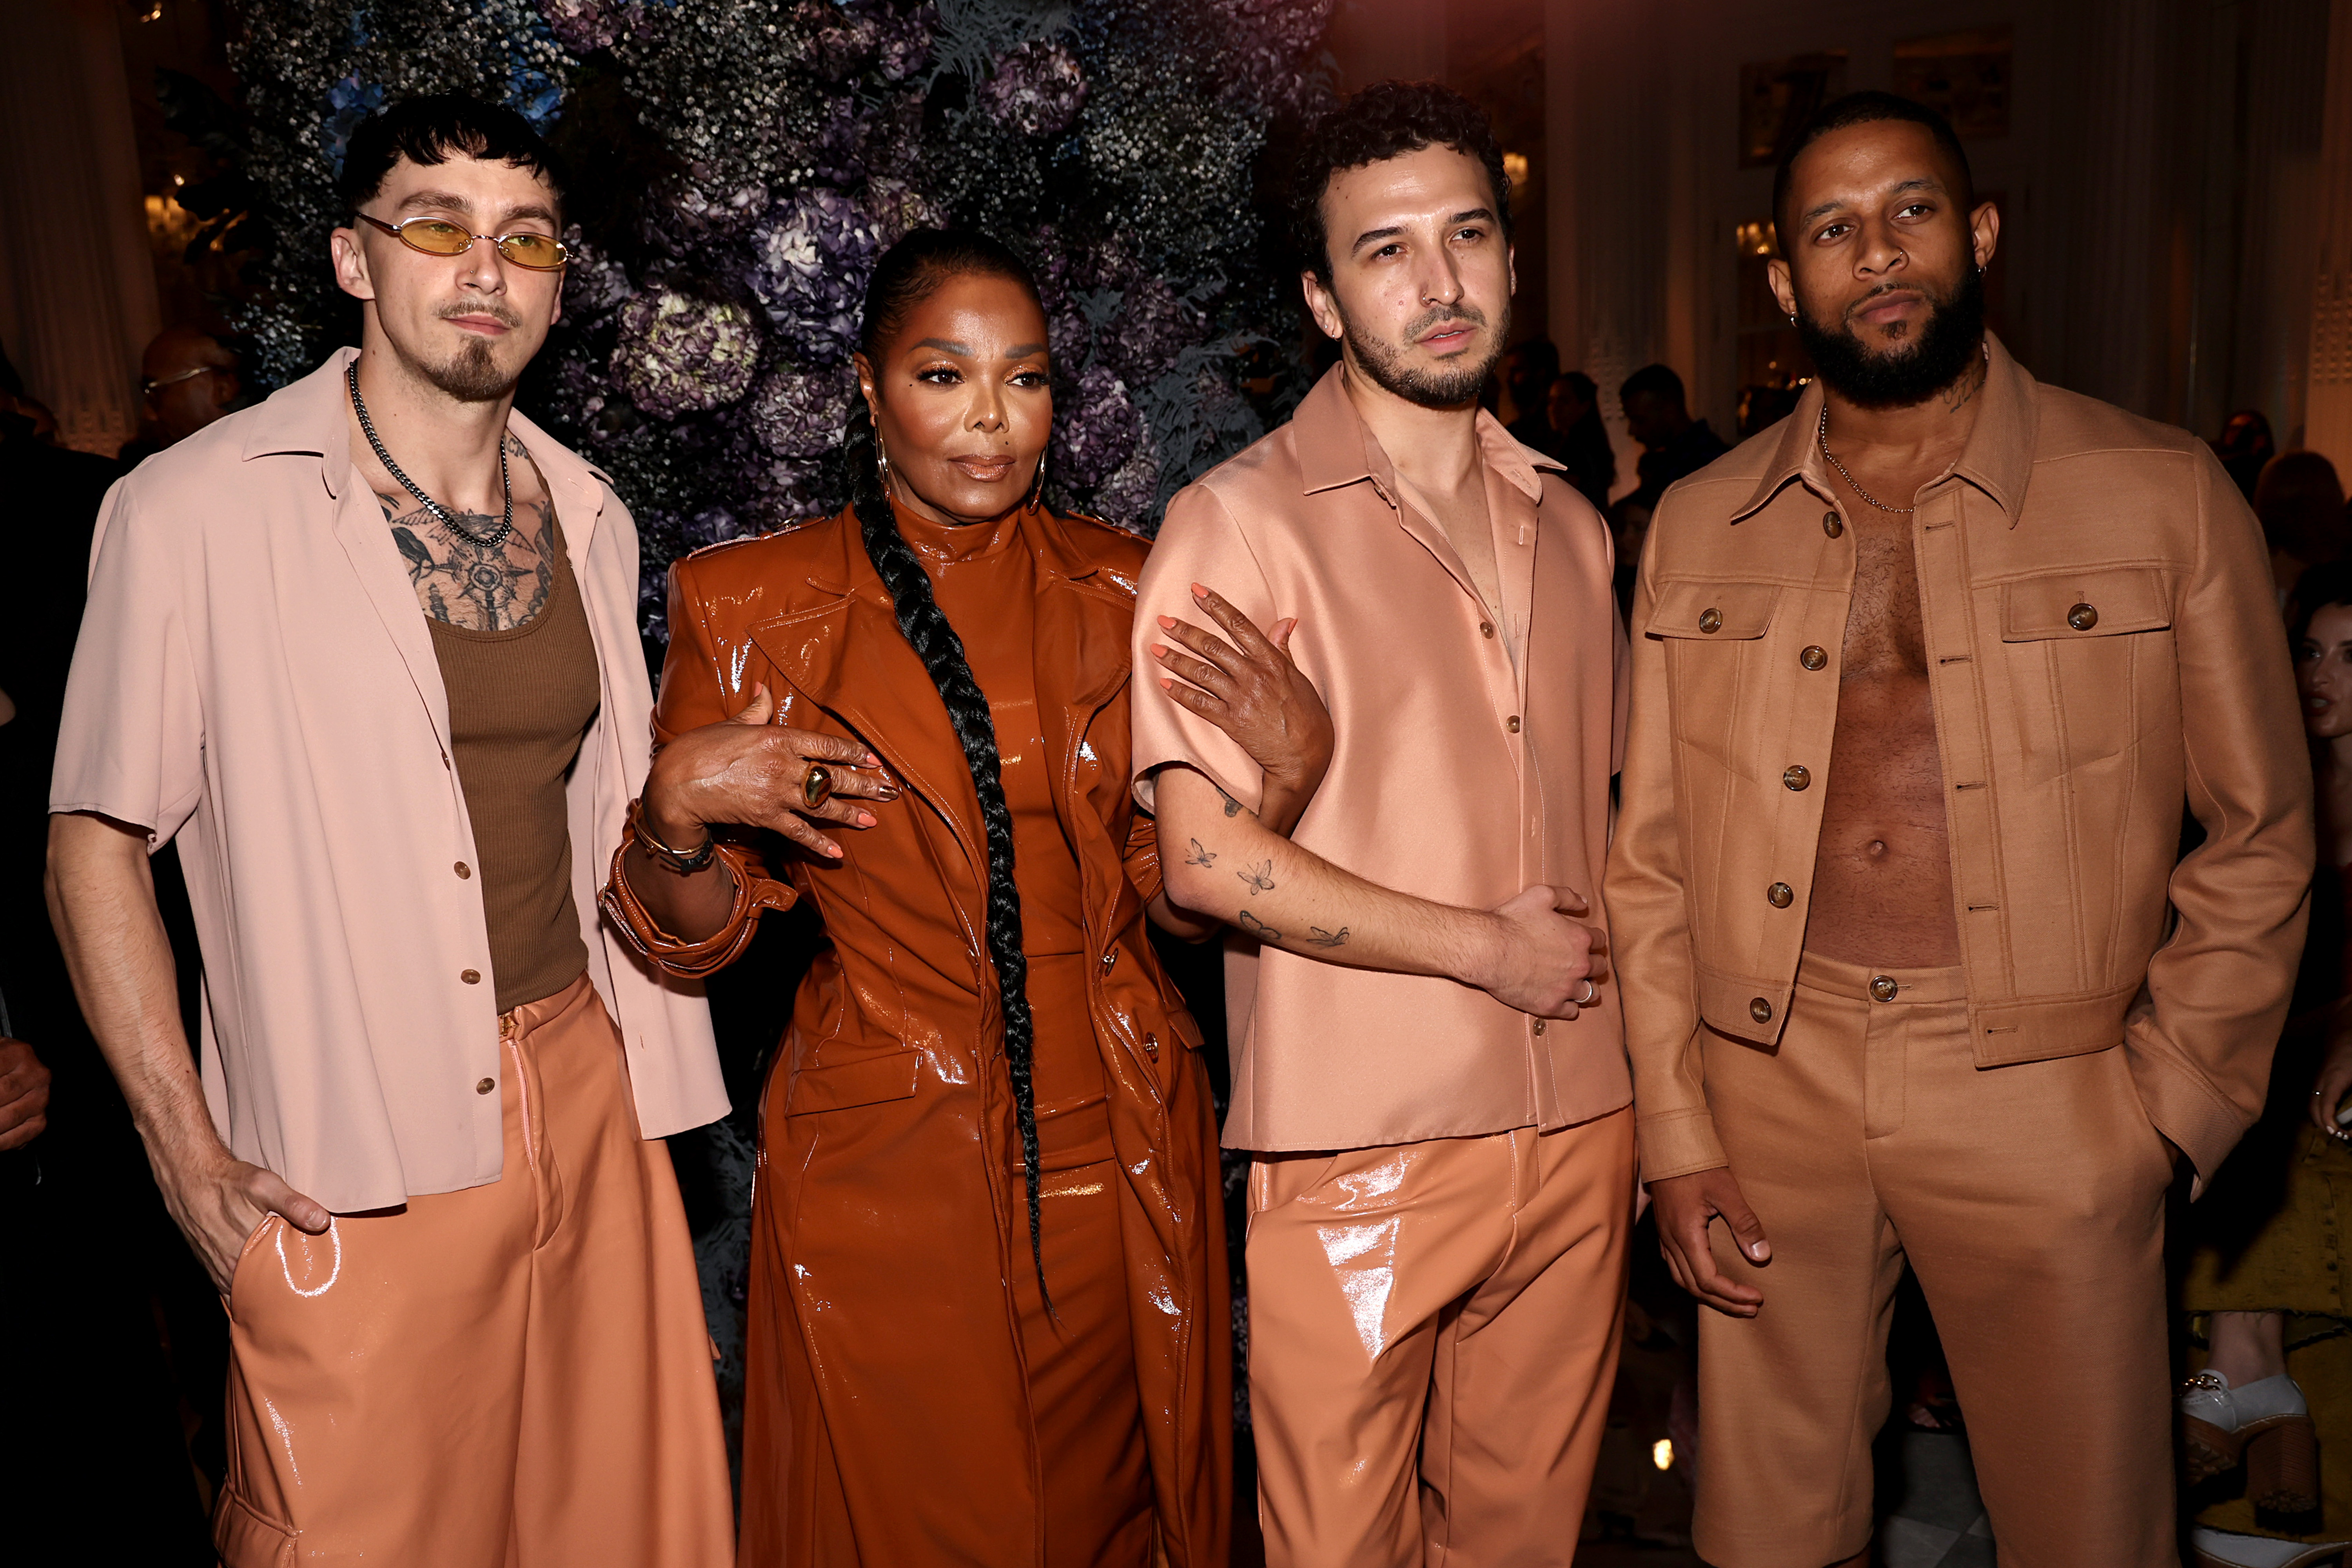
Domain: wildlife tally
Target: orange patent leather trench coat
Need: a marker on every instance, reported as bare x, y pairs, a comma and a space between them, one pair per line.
888, 1419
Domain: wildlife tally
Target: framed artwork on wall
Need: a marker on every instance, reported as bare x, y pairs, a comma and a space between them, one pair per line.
1963, 76
1776, 96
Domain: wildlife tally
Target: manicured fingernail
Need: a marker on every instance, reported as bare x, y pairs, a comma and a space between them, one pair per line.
1166, 685
872, 760
1159, 650
1168, 620
1198, 592
866, 819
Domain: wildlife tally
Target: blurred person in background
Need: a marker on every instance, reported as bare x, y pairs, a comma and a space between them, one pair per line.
2244, 446
1529, 369
1674, 444
2267, 1278
2300, 501
188, 380
1573, 412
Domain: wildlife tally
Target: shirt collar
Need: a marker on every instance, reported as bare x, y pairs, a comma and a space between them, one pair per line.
1997, 460
1337, 448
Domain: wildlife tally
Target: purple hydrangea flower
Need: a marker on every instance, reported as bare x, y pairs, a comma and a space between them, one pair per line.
594, 283
904, 44
799, 413
585, 25
810, 262
1036, 89
680, 355
1153, 327
1127, 497
699, 213
1098, 433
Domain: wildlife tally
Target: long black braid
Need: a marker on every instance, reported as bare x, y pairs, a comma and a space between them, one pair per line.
905, 275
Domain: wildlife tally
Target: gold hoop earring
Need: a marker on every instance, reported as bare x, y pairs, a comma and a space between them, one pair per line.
882, 464
1036, 486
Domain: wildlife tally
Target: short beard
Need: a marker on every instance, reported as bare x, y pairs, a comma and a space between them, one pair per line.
1947, 342
1385, 364
472, 374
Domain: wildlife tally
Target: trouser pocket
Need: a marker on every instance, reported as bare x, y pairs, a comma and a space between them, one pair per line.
245, 1537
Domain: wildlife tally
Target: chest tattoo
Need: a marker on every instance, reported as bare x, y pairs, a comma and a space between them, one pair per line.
462, 583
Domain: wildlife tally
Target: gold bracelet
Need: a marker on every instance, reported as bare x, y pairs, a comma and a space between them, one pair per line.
685, 864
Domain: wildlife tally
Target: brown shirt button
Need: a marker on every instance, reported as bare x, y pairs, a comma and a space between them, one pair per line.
1512, 724
486, 1085
2082, 617
464, 870
471, 977
1485, 628
1797, 776
1813, 658
1760, 1010
1780, 895
1539, 1026
1710, 622
1883, 987
1832, 524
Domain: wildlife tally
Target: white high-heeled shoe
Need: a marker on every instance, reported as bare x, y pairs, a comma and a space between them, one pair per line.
2265, 1425
2220, 1548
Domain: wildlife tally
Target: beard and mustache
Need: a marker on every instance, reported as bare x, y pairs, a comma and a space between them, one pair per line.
1445, 386
1945, 344
476, 373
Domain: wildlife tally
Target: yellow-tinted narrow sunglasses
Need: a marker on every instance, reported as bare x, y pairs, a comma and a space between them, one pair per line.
440, 237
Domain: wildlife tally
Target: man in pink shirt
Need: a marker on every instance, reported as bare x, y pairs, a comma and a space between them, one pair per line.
369, 652
1431, 1068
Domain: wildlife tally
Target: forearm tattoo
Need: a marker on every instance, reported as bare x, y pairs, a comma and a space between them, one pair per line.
1199, 856
1232, 807
463, 584
1260, 880
1322, 939
1258, 928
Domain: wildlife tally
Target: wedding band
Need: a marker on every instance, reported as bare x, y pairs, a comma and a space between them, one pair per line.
1592, 993
816, 788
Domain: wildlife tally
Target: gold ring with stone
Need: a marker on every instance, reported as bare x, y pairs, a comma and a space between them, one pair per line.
817, 786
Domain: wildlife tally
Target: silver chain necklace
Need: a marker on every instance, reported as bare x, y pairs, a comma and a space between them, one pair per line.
1825, 452
490, 540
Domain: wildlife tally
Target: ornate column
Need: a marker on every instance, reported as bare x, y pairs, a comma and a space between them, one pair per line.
2328, 413
73, 235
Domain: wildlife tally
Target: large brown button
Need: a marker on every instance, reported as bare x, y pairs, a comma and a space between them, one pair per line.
1813, 658
1485, 628
1797, 776
1710, 622
486, 1085
1832, 524
1760, 1010
1882, 986
1539, 1026
464, 870
471, 977
2082, 617
1780, 895
1512, 724
1151, 1046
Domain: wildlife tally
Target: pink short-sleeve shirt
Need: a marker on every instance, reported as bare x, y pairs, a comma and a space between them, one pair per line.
255, 680
1460, 772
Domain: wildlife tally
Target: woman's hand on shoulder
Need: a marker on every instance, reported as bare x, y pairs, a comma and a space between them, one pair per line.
748, 771
1249, 689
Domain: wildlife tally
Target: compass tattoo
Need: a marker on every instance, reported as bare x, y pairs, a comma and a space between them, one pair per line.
461, 583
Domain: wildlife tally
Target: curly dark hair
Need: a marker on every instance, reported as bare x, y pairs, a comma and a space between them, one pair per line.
909, 273
1387, 119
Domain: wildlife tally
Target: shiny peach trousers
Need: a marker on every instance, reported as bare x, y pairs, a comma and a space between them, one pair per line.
1434, 1332
2028, 1199
508, 1376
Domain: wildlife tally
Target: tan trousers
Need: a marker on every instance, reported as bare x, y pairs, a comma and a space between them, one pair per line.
1433, 1344
515, 1376
2030, 1200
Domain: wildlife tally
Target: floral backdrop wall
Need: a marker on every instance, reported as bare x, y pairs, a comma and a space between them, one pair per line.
738, 165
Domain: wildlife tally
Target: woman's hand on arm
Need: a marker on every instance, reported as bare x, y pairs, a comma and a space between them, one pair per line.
1249, 689
744, 772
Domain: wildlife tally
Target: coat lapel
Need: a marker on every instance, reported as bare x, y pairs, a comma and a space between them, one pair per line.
1081, 664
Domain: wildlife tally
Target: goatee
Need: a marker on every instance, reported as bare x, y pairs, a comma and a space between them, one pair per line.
472, 374
1450, 387
1947, 343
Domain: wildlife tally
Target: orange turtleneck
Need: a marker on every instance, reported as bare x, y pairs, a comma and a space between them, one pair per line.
984, 577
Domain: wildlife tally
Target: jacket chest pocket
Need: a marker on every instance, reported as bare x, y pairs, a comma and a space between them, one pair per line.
1715, 668
2089, 655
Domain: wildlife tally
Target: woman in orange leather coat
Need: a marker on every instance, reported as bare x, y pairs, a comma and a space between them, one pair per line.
987, 1317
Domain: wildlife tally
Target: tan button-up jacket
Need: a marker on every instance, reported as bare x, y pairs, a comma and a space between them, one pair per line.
1458, 773
2104, 645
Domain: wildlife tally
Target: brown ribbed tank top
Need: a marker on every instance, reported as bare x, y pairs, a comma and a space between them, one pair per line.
521, 702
